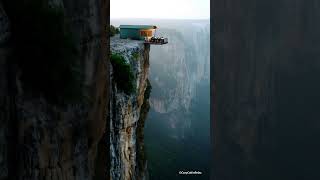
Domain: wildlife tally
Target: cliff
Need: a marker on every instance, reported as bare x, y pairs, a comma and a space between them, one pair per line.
50, 50
266, 95
128, 111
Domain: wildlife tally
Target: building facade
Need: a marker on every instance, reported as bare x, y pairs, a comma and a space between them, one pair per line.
137, 32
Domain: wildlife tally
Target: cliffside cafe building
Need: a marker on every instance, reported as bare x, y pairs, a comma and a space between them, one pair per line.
137, 32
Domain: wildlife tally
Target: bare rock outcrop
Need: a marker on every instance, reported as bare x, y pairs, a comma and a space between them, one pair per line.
128, 110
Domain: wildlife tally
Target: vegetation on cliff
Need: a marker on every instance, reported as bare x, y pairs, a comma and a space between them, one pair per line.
148, 91
113, 31
122, 74
135, 55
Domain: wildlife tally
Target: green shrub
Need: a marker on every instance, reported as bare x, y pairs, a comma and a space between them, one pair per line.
135, 55
123, 74
113, 31
44, 50
148, 90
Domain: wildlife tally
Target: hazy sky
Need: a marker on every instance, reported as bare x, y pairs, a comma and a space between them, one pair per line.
160, 9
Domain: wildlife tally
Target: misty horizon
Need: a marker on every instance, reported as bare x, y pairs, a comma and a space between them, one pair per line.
165, 9
160, 23
169, 19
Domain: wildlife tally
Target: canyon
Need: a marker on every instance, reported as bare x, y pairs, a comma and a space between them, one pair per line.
179, 113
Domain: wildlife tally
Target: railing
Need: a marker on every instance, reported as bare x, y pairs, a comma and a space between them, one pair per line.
157, 41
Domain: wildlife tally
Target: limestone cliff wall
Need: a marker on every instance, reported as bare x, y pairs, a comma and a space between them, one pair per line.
40, 139
127, 111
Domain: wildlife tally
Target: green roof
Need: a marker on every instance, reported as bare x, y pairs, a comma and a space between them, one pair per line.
138, 26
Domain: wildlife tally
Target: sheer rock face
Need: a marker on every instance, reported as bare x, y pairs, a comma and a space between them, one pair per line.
126, 110
4, 97
4, 26
39, 140
266, 95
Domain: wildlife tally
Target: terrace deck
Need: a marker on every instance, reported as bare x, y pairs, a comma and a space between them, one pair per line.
156, 43
159, 42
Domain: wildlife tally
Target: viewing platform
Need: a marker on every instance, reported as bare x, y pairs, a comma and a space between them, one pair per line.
156, 41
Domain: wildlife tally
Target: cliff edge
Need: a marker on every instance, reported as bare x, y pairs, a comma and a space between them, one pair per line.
128, 109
